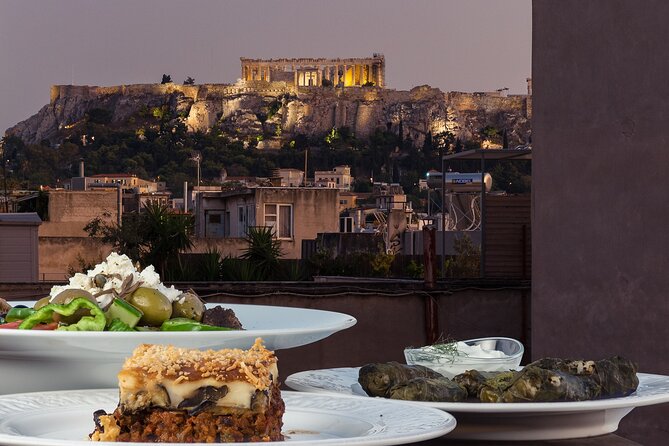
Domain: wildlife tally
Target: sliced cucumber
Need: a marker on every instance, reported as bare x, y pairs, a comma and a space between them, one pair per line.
122, 310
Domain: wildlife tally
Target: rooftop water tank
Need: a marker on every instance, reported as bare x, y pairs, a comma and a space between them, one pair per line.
459, 182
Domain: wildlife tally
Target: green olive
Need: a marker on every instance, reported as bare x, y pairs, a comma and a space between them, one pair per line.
188, 305
40, 303
67, 296
156, 307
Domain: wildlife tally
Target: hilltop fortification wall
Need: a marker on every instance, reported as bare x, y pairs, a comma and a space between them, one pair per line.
242, 109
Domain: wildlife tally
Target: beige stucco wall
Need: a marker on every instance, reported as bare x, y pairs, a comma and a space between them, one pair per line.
315, 210
70, 211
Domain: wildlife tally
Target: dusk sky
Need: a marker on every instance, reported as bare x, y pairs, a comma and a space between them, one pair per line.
455, 45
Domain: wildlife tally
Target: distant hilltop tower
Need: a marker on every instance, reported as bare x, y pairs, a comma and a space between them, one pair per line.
352, 72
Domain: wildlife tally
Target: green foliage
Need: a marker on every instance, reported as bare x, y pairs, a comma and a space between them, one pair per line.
512, 177
326, 83
467, 260
82, 265
357, 264
263, 252
331, 137
189, 81
154, 237
362, 185
444, 140
166, 79
210, 265
415, 270
238, 270
381, 263
99, 116
273, 108
489, 132
368, 84
294, 271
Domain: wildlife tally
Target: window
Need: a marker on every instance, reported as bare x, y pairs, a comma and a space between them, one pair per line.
345, 224
214, 223
280, 218
246, 219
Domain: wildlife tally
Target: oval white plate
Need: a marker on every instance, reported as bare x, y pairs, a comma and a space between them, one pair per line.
66, 418
62, 360
509, 421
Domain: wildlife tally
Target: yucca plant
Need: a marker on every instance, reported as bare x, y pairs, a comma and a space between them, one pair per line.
263, 251
211, 265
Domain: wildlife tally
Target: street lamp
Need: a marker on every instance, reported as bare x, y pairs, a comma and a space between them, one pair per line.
197, 157
4, 172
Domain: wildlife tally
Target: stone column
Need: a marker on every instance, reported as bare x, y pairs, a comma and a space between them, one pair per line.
345, 74
295, 71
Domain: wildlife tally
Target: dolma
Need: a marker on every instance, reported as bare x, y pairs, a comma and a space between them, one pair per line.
439, 389
473, 380
552, 379
534, 384
376, 379
493, 388
616, 376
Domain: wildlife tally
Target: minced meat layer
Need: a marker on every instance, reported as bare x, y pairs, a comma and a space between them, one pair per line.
176, 426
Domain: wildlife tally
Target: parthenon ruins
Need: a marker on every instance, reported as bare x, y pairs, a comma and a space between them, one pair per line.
316, 72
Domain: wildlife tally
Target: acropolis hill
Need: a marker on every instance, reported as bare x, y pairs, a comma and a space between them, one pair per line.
282, 98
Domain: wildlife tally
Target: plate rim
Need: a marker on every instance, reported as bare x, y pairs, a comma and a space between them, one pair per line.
375, 439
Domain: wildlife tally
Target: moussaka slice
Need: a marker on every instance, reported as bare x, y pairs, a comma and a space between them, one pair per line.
177, 395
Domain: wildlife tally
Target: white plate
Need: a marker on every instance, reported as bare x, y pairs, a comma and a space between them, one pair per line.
66, 418
63, 360
509, 421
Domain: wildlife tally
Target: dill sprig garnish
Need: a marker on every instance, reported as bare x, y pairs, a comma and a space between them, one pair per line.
444, 349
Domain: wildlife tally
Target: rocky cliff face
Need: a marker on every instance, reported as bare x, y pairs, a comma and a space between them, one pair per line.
279, 111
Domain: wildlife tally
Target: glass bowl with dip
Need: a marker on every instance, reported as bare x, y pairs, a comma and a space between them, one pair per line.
492, 354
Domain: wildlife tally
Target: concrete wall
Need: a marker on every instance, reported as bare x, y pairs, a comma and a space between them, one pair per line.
70, 211
59, 255
599, 235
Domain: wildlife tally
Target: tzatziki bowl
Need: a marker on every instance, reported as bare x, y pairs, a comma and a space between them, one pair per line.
492, 354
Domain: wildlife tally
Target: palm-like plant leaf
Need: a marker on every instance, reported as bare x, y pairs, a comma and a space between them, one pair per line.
263, 251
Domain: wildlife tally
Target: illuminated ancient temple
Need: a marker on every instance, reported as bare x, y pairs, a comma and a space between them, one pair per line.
316, 72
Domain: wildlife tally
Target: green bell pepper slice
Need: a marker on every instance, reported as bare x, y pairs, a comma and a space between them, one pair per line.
184, 324
18, 314
95, 322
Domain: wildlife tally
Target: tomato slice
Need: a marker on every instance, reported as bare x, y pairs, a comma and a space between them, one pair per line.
14, 324
49, 326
